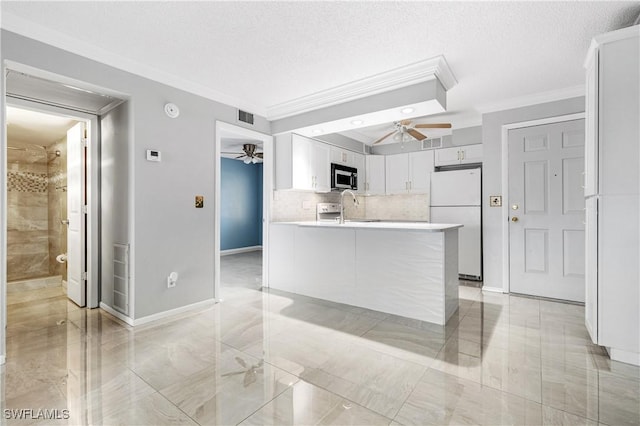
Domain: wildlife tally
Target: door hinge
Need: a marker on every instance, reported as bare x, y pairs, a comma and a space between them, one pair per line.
85, 210
84, 275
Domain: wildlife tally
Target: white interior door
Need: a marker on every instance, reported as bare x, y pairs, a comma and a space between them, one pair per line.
76, 290
546, 205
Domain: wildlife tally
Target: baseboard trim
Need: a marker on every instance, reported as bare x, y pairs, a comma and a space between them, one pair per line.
171, 312
493, 289
240, 250
116, 314
632, 358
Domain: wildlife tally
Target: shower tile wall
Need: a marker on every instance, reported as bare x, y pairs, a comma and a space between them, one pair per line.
57, 190
27, 219
34, 210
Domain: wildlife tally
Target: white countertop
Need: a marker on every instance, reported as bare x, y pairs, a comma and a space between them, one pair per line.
422, 226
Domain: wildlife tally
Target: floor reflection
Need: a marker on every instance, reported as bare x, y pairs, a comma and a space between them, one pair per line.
268, 357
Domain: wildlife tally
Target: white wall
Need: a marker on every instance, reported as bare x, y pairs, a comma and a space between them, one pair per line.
166, 232
492, 176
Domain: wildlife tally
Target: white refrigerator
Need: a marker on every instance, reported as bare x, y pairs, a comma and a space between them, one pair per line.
456, 198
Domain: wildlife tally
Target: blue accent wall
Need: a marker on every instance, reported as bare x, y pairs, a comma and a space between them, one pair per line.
240, 204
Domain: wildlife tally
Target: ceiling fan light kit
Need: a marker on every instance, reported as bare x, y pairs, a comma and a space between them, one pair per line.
404, 132
249, 153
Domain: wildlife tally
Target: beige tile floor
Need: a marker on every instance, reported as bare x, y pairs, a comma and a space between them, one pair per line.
263, 357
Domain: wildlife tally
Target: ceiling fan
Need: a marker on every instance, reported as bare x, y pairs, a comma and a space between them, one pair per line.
249, 152
404, 127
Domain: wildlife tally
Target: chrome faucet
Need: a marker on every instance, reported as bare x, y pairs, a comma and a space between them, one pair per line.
355, 202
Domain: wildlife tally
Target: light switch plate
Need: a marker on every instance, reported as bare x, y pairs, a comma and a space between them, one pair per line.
495, 200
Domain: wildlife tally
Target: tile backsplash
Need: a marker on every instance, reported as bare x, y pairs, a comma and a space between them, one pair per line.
295, 206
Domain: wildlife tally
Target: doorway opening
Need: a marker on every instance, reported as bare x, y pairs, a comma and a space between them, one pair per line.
243, 186
36, 202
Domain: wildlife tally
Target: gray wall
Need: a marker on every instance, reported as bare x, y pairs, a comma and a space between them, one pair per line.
166, 232
492, 175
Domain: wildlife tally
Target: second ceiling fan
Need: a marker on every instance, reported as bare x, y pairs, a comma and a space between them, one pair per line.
404, 127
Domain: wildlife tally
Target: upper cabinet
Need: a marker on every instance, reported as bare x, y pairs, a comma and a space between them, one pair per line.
374, 183
302, 163
458, 155
343, 156
409, 173
611, 147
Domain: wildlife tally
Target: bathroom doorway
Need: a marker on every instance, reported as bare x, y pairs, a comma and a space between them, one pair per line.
46, 245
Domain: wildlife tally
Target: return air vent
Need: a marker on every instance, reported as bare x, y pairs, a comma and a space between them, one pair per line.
245, 117
431, 143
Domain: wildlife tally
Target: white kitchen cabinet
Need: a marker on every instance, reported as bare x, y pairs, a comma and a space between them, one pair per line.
374, 183
409, 173
302, 163
360, 165
612, 188
466, 154
342, 156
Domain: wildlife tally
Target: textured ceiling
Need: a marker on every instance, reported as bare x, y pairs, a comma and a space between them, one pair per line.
265, 53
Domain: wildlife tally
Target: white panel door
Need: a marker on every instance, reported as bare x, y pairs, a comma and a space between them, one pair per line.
471, 154
447, 156
375, 184
546, 203
321, 167
76, 288
397, 174
420, 168
302, 167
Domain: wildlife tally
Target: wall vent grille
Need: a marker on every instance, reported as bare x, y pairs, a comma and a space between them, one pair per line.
245, 117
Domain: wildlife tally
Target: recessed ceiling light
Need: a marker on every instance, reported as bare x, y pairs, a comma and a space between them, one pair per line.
316, 131
407, 110
357, 122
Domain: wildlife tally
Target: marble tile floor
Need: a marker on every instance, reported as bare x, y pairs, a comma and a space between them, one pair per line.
273, 358
242, 270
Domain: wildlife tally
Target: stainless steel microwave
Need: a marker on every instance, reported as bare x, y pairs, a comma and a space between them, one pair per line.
343, 177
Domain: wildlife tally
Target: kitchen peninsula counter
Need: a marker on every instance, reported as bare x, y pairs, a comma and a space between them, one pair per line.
402, 268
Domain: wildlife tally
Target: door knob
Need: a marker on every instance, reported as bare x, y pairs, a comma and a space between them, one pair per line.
65, 222
514, 219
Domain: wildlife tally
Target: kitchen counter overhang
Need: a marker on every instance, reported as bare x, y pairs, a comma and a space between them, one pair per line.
402, 268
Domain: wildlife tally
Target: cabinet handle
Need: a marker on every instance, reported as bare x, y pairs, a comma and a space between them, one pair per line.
410, 184
462, 155
459, 155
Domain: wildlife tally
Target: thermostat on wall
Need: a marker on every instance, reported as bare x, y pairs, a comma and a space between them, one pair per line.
153, 155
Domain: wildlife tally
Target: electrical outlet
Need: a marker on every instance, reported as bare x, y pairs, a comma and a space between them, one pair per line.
170, 283
495, 200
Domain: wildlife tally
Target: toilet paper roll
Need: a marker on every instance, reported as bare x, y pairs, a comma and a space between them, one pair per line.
61, 258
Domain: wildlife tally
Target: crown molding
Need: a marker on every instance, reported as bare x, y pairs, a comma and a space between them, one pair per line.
18, 25
538, 98
397, 78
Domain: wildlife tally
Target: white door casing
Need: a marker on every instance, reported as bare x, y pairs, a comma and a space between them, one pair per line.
76, 290
546, 205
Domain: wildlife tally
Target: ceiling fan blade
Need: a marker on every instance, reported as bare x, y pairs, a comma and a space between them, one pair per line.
240, 156
416, 134
433, 126
260, 155
384, 137
229, 152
